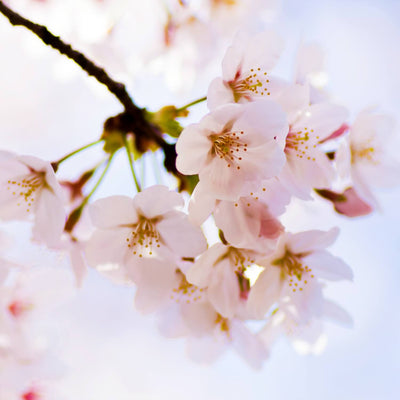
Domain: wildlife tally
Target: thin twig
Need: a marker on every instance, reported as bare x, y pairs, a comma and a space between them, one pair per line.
116, 88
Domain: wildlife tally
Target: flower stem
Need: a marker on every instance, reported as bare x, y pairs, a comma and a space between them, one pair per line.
193, 103
128, 152
75, 215
55, 164
95, 187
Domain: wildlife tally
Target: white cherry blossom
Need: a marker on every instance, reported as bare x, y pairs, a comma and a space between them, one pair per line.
232, 146
28, 187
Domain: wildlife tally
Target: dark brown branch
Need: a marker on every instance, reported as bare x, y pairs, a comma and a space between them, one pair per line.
132, 120
116, 88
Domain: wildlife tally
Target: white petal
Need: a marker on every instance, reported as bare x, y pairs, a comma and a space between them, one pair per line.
311, 240
265, 292
201, 205
107, 247
224, 290
337, 314
327, 266
322, 118
156, 201
247, 345
184, 238
219, 93
113, 211
192, 148
155, 281
201, 272
49, 218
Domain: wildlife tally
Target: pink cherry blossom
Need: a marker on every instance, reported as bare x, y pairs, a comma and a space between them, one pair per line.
220, 269
293, 271
144, 230
246, 70
307, 166
368, 155
29, 188
232, 146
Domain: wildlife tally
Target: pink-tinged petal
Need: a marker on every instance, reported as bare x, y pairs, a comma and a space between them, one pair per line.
224, 291
34, 163
201, 205
112, 212
327, 266
300, 175
52, 182
339, 132
222, 181
50, 218
233, 58
155, 280
219, 93
11, 167
239, 222
206, 349
199, 318
171, 323
192, 149
337, 314
264, 293
156, 201
247, 345
78, 263
322, 118
107, 247
262, 121
347, 203
224, 115
311, 240
202, 270
13, 209
293, 99
184, 238
262, 50
310, 61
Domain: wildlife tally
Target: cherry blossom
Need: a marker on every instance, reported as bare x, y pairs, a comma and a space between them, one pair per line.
293, 272
246, 70
145, 230
232, 146
367, 155
222, 270
29, 187
307, 165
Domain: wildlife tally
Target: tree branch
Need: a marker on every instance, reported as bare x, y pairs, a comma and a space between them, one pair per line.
116, 88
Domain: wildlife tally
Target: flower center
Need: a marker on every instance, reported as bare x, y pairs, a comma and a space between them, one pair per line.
293, 270
144, 237
230, 147
30, 395
17, 308
186, 292
300, 143
222, 324
363, 153
252, 83
26, 189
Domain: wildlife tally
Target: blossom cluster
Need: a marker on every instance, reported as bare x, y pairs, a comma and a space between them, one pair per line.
265, 142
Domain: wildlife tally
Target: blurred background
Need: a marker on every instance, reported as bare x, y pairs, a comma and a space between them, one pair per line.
49, 107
